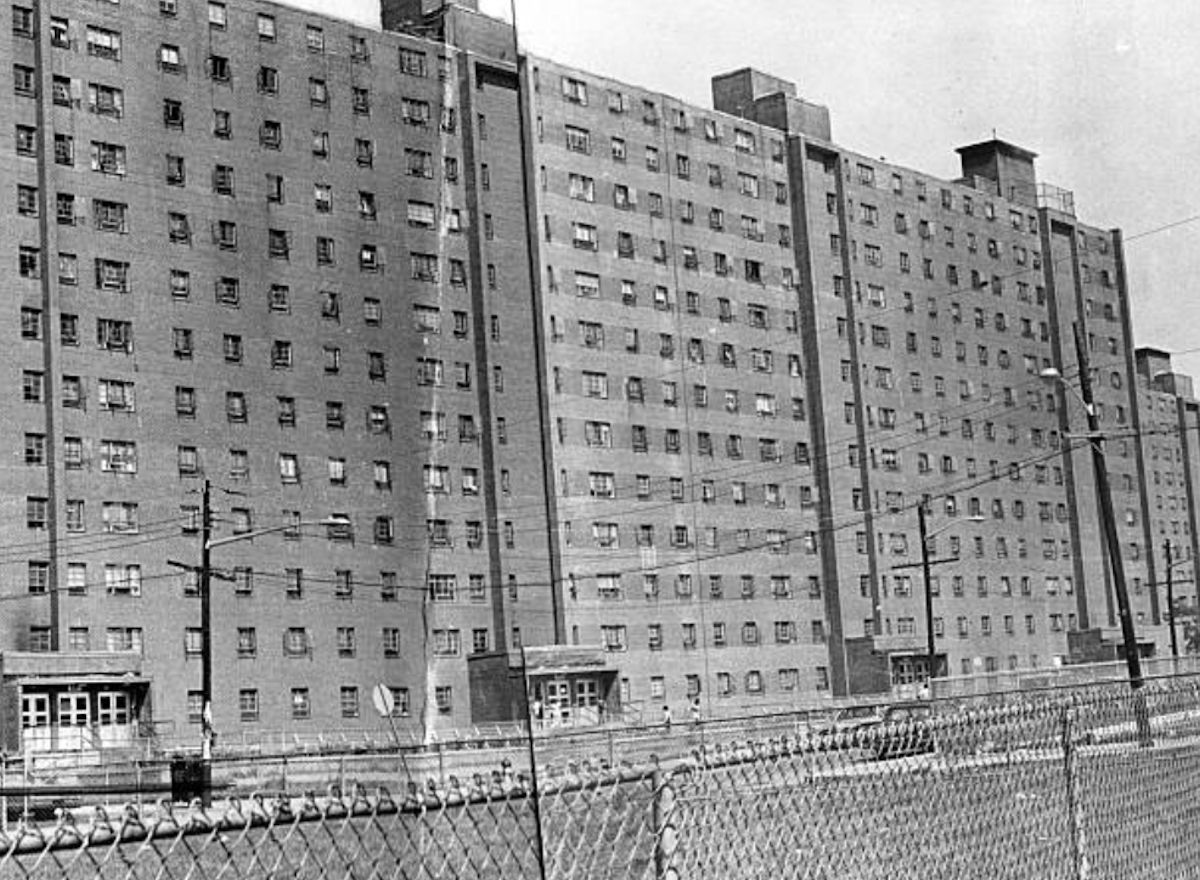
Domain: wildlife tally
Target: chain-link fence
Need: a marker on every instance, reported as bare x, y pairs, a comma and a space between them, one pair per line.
1091, 782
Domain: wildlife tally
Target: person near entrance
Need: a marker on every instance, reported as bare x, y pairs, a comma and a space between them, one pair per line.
538, 711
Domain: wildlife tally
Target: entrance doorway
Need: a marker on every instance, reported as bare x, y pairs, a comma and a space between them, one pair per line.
114, 719
74, 719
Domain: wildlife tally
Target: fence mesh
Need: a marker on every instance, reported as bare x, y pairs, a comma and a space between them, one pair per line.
1091, 782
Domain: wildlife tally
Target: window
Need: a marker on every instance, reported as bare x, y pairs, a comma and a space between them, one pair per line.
61, 92
219, 69
613, 637
366, 205
412, 63
348, 701
748, 184
25, 82
172, 114
178, 228
574, 91
114, 335
22, 21
318, 92
123, 638
225, 235
35, 449
120, 516
314, 38
227, 291
126, 580
598, 433
281, 354
368, 259
320, 143
26, 140
31, 323
447, 642
27, 201
326, 253
270, 136
110, 216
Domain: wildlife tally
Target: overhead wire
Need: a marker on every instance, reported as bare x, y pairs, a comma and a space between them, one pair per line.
852, 520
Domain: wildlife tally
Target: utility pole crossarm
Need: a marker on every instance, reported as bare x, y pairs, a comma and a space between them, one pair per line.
210, 543
943, 561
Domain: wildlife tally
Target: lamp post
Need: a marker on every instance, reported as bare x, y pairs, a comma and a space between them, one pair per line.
1133, 659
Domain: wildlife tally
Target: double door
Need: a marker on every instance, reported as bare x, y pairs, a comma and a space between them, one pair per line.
75, 720
74, 725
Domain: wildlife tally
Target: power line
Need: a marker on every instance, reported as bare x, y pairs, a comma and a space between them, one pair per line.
851, 521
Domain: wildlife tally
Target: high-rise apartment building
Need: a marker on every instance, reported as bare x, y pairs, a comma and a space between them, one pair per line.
1169, 431
283, 254
479, 351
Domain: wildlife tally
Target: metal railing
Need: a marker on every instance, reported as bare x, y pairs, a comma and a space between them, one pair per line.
1053, 783
282, 740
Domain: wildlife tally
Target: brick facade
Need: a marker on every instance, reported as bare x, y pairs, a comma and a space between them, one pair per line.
575, 361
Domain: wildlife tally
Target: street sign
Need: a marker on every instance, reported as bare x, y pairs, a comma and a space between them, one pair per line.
385, 703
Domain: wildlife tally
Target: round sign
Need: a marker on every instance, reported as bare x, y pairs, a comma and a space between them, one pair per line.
385, 703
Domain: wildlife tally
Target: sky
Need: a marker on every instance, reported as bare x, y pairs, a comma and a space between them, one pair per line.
1105, 91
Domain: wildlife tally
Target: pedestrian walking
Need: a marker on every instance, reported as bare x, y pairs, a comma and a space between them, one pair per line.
666, 717
696, 710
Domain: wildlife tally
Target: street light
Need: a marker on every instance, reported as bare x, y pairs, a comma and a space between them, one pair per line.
1053, 374
1109, 524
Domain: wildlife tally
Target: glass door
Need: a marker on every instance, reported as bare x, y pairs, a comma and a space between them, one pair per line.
112, 713
74, 720
35, 723
558, 701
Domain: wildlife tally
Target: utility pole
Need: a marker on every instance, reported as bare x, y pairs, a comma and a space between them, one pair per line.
206, 721
930, 645
1171, 602
1132, 659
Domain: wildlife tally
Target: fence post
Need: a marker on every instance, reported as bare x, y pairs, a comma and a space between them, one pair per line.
535, 795
666, 838
1079, 859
